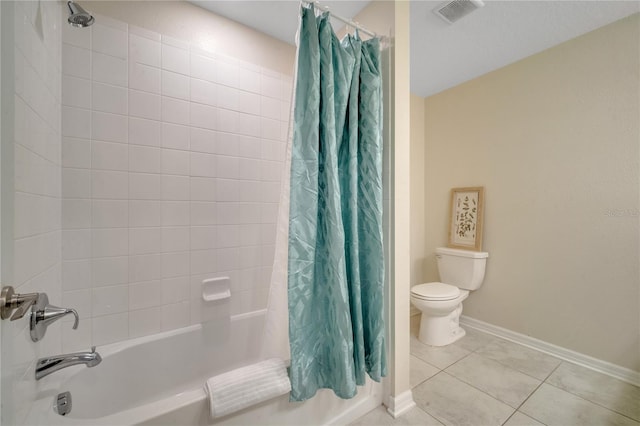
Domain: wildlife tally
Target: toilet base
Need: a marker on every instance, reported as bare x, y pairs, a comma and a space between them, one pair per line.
441, 330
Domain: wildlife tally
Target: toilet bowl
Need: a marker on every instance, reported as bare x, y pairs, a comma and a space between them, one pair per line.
440, 303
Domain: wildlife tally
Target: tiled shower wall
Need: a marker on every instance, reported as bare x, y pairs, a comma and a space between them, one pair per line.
172, 160
31, 163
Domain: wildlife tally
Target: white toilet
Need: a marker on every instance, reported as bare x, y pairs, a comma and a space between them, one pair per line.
441, 302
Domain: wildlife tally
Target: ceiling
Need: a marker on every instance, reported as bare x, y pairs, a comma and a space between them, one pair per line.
443, 55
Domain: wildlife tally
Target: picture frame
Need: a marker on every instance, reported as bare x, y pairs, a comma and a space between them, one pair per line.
466, 217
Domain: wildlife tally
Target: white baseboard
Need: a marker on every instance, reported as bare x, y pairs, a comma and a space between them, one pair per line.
398, 405
595, 364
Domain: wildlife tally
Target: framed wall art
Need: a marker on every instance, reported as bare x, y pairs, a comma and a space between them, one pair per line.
465, 226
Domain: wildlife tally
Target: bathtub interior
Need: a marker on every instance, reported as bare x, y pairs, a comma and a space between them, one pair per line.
162, 366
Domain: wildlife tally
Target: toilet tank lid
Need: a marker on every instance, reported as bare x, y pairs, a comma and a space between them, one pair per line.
462, 253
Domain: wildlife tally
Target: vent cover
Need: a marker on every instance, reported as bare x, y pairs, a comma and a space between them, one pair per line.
456, 9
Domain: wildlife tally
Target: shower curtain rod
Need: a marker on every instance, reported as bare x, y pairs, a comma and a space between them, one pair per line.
347, 21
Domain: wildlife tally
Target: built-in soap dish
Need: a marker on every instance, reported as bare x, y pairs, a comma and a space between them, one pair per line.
214, 289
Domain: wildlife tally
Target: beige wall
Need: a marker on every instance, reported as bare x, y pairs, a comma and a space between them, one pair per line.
210, 32
418, 213
554, 139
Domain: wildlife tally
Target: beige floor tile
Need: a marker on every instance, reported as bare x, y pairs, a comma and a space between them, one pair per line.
474, 339
380, 417
503, 383
420, 371
519, 419
555, 407
439, 356
456, 403
521, 358
604, 390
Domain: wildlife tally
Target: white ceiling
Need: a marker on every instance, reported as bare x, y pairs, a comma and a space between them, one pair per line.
443, 55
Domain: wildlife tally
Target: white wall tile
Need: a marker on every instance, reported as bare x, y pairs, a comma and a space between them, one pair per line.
144, 132
145, 240
175, 162
76, 92
76, 122
76, 274
203, 116
76, 183
109, 300
109, 184
144, 186
228, 236
144, 105
145, 294
72, 36
203, 189
76, 153
175, 111
204, 261
76, 214
175, 59
109, 69
227, 143
227, 190
175, 213
202, 164
250, 103
203, 237
144, 159
203, 140
227, 167
175, 239
270, 107
175, 290
271, 86
228, 97
76, 244
145, 322
249, 169
145, 268
144, 50
145, 213
203, 213
228, 121
175, 264
175, 188
144, 77
108, 271
76, 61
110, 214
203, 67
227, 73
109, 127
175, 315
108, 98
175, 136
109, 156
249, 80
110, 328
109, 40
110, 242
175, 85
203, 92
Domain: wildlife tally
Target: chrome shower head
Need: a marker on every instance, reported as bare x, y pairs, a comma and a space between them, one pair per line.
78, 17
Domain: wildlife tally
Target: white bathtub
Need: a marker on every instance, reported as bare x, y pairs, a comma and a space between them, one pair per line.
159, 379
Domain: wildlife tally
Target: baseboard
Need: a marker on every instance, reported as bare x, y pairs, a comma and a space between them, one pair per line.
595, 364
398, 405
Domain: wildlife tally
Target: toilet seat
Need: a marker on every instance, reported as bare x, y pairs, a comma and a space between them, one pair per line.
435, 291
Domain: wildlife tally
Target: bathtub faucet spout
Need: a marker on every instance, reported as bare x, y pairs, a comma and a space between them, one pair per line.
48, 365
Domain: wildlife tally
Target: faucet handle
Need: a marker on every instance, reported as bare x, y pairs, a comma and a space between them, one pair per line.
14, 303
43, 314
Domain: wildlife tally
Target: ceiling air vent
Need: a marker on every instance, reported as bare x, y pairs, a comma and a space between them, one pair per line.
453, 10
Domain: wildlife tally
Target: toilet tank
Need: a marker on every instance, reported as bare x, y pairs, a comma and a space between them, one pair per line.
462, 268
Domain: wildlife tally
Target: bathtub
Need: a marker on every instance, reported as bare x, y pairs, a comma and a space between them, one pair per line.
159, 379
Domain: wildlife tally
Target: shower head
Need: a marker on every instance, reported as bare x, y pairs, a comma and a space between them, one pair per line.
78, 17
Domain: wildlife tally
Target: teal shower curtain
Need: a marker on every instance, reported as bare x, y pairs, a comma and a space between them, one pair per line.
336, 259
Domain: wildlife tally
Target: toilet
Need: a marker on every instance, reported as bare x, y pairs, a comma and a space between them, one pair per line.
461, 271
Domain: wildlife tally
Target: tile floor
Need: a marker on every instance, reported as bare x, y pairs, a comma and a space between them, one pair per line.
484, 380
